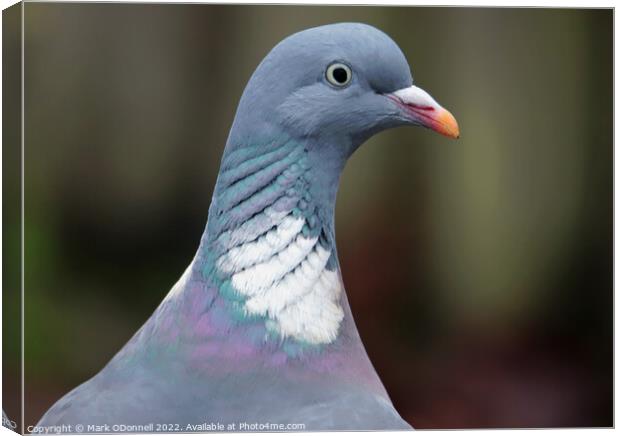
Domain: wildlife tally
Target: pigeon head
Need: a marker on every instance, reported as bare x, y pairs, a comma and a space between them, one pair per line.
338, 84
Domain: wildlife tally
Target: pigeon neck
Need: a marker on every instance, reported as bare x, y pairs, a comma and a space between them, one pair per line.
270, 247
285, 175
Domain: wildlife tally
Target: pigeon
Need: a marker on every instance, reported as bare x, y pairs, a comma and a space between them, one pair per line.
257, 334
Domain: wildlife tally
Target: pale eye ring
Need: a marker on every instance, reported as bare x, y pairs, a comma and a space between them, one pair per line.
338, 74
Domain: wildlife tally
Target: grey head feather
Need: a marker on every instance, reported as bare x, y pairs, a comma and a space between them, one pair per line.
288, 92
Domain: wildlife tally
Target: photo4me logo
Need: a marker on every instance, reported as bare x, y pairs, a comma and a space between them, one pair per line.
269, 426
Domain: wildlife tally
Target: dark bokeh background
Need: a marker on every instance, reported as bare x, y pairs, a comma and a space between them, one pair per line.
479, 271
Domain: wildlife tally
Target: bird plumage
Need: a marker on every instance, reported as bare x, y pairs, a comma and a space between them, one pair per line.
258, 328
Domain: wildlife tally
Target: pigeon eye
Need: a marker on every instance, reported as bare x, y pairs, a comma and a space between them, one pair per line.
338, 74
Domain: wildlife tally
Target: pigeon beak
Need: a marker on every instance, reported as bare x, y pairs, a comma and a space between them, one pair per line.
423, 110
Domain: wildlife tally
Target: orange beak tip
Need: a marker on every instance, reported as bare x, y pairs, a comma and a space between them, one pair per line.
447, 125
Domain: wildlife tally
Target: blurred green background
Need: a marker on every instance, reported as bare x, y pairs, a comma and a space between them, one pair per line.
479, 271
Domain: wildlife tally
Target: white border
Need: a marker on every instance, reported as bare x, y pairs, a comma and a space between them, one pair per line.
476, 3
566, 4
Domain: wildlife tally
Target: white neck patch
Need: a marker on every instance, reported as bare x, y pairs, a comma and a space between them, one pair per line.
284, 277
